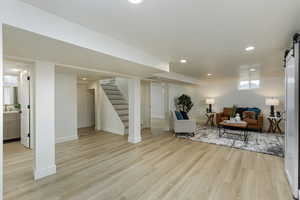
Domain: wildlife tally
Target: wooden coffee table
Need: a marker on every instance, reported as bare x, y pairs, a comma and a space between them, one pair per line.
239, 128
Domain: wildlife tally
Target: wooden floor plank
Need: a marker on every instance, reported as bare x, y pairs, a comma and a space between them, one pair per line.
103, 166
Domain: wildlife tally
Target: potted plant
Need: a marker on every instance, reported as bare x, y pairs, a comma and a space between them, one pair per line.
184, 103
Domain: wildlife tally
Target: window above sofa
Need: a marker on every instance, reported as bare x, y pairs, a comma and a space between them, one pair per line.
249, 78
249, 84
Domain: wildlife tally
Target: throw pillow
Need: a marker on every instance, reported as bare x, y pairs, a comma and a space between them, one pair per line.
178, 115
249, 115
256, 110
240, 111
184, 115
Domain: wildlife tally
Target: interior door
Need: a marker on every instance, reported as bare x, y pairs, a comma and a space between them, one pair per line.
291, 128
25, 108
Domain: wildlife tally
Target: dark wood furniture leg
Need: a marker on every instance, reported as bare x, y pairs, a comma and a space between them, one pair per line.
277, 126
271, 126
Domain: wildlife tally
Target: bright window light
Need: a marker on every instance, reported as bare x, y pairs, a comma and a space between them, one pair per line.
254, 84
250, 48
135, 1
249, 84
244, 85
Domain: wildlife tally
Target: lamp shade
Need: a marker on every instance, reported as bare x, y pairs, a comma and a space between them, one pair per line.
210, 101
272, 102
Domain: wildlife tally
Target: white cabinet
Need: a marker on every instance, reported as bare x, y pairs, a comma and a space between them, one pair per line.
11, 126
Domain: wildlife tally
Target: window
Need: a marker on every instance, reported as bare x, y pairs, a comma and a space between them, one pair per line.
249, 80
254, 84
244, 85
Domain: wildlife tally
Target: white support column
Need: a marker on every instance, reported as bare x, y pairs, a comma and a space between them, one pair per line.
44, 85
134, 97
1, 111
167, 106
98, 98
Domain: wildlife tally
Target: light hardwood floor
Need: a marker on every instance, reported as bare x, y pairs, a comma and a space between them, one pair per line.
104, 166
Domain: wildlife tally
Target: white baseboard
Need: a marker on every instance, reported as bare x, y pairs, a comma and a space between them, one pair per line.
113, 131
42, 173
134, 140
66, 139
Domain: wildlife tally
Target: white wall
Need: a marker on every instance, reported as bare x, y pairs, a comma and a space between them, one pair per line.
157, 101
65, 107
85, 106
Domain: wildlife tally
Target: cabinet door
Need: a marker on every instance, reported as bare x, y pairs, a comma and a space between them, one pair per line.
5, 135
12, 126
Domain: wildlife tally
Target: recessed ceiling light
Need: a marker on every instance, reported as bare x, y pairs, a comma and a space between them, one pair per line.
84, 79
16, 70
252, 70
183, 61
135, 1
25, 71
250, 48
209, 74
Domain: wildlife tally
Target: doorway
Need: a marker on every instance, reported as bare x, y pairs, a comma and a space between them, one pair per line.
17, 98
85, 108
159, 107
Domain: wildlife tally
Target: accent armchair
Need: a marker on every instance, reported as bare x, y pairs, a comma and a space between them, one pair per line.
182, 126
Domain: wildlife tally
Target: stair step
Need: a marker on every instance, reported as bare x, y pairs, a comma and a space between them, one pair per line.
115, 97
113, 92
118, 102
123, 112
110, 87
107, 81
124, 118
121, 107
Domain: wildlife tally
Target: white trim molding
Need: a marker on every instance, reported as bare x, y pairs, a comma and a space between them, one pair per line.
44, 172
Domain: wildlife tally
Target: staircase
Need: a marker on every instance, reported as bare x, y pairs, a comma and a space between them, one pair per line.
118, 101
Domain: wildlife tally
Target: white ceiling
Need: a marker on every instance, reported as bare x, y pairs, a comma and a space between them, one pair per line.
25, 45
210, 34
82, 73
11, 67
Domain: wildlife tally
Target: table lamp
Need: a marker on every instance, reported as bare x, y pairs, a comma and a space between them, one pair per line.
210, 102
272, 102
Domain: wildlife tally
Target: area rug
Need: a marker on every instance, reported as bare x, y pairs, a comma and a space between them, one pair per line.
267, 143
